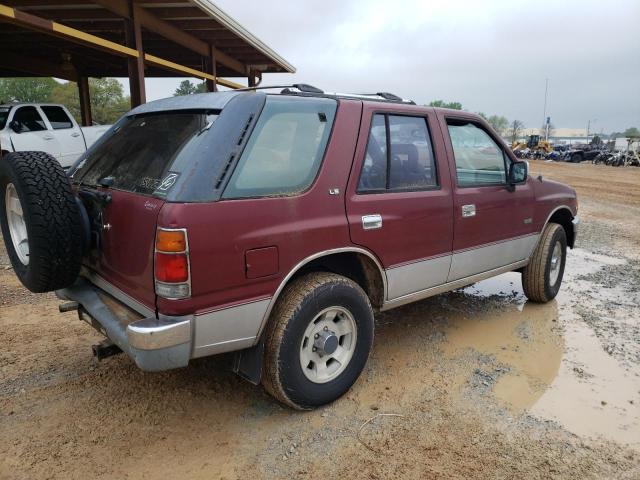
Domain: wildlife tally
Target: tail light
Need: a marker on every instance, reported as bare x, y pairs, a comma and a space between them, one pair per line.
172, 268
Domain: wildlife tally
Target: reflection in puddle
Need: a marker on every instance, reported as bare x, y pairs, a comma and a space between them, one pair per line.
550, 362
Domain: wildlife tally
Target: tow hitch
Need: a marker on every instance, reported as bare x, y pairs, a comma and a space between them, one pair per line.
105, 349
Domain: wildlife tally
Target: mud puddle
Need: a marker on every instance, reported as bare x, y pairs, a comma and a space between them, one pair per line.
546, 360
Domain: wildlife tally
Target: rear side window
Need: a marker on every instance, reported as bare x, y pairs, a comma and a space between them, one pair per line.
57, 117
285, 150
479, 160
399, 155
29, 119
140, 151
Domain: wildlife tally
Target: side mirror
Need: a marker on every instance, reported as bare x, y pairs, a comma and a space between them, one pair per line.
518, 173
15, 126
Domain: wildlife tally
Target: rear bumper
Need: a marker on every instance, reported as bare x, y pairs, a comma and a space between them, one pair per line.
155, 344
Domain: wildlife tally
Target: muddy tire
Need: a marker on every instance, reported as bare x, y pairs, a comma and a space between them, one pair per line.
318, 340
40, 221
542, 277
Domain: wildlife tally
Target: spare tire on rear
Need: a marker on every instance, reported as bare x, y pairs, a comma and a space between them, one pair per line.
40, 221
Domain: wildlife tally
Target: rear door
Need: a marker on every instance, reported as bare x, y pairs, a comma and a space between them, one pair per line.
399, 202
66, 133
492, 223
33, 134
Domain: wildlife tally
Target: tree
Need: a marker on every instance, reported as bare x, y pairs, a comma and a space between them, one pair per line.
108, 102
26, 89
543, 129
187, 87
499, 123
631, 132
443, 104
514, 130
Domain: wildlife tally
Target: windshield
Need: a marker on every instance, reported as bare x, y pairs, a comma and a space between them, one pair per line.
4, 114
140, 153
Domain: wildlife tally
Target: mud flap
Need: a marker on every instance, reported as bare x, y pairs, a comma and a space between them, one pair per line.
247, 363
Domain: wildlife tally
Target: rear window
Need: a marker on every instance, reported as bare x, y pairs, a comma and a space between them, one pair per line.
57, 117
139, 152
285, 150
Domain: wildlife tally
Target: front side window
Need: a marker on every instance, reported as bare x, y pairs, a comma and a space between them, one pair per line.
57, 117
407, 164
479, 159
285, 150
29, 120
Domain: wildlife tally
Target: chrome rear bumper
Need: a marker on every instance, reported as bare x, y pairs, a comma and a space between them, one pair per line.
155, 344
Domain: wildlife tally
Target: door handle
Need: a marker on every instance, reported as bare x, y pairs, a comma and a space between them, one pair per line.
468, 211
75, 134
371, 222
48, 137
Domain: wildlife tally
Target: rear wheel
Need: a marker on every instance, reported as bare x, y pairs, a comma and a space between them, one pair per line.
576, 158
40, 221
542, 277
318, 340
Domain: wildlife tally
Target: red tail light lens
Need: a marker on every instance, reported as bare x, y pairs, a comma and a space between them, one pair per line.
173, 277
172, 268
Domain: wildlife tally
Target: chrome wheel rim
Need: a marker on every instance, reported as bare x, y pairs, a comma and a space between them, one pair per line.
17, 225
556, 262
328, 344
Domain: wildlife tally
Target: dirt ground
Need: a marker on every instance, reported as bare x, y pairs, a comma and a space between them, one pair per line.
476, 383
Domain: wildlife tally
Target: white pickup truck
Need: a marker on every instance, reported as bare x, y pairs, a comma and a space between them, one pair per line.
45, 127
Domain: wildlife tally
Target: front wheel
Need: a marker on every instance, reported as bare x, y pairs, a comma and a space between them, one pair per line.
318, 340
542, 277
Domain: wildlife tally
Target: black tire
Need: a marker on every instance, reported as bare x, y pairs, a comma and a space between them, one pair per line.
299, 304
536, 276
52, 220
576, 158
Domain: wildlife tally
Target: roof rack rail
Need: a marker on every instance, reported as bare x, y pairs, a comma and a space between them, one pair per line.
302, 87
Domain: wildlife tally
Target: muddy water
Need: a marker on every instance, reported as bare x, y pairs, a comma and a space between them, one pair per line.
545, 360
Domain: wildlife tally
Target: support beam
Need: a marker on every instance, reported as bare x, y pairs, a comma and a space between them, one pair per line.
133, 37
40, 68
85, 101
210, 67
163, 28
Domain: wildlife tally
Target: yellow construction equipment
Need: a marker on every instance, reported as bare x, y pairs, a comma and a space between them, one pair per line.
533, 143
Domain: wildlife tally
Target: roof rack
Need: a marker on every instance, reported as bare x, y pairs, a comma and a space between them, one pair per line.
306, 89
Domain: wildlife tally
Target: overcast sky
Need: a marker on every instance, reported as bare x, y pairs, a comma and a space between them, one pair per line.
492, 56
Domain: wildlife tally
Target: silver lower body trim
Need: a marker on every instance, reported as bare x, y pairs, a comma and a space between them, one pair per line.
463, 282
407, 279
232, 328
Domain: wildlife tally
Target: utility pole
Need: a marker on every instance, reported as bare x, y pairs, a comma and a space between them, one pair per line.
544, 110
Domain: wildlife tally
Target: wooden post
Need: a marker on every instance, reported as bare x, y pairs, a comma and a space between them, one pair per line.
85, 101
210, 67
252, 78
133, 37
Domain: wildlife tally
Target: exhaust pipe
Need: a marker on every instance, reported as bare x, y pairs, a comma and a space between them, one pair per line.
68, 307
105, 349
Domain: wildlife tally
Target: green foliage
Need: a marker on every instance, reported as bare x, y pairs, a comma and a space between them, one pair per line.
499, 123
108, 102
443, 104
631, 132
187, 87
26, 89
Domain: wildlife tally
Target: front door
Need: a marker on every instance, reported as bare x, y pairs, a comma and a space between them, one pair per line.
33, 133
492, 223
399, 202
66, 132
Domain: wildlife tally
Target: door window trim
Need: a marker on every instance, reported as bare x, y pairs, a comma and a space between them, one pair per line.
387, 189
498, 143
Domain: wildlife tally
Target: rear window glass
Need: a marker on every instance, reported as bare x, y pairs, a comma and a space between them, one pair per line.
140, 151
57, 117
285, 150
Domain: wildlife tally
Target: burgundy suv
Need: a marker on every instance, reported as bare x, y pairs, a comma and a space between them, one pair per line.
275, 225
